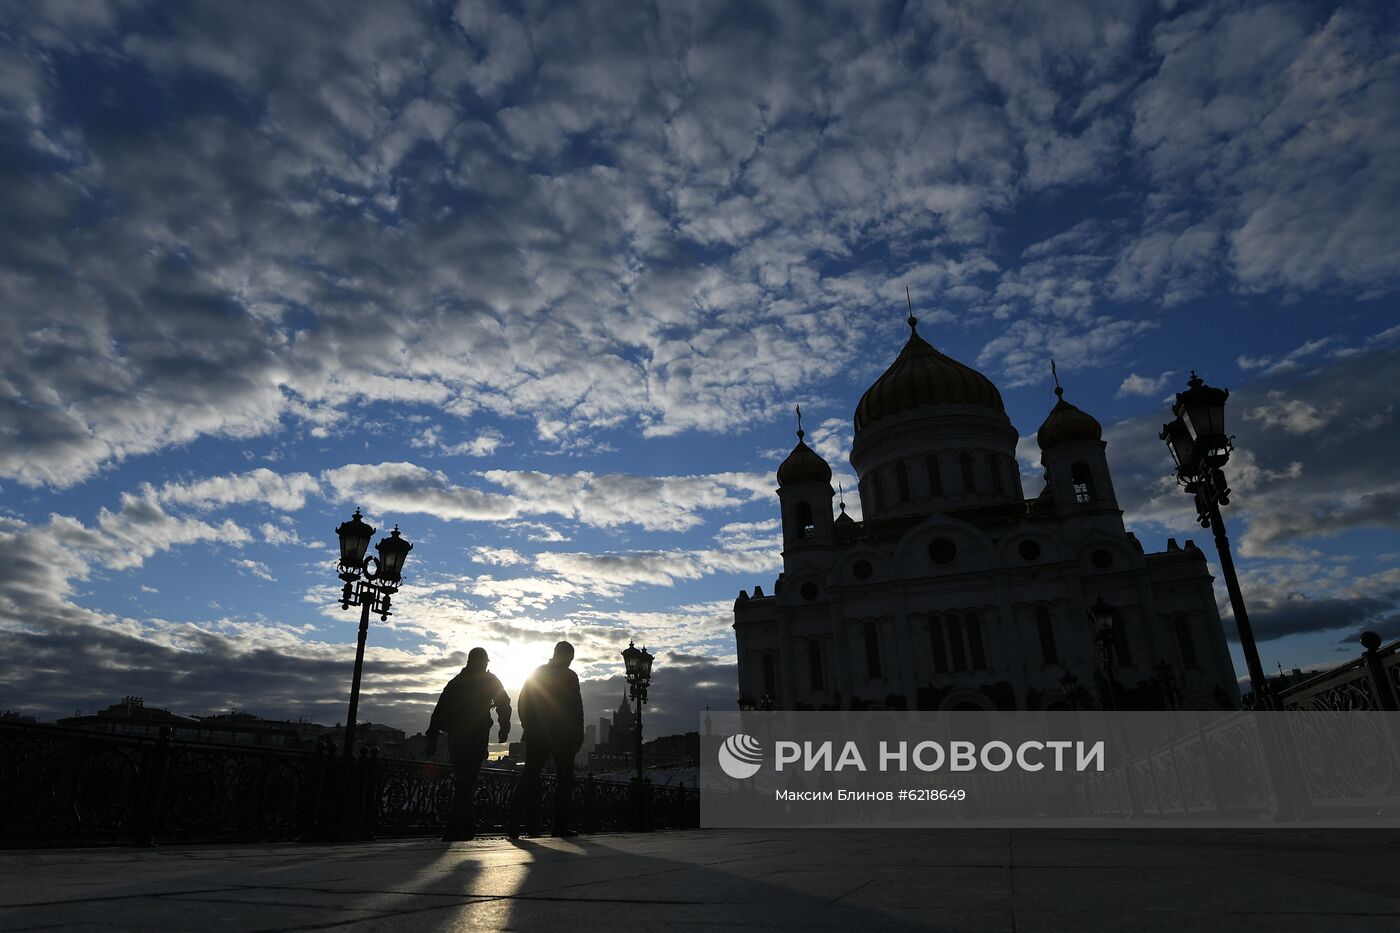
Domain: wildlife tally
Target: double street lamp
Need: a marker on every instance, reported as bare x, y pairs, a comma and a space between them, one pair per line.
638, 662
369, 584
1200, 448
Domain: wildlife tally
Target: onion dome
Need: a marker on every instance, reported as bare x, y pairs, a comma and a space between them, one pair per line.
803, 465
1066, 424
921, 377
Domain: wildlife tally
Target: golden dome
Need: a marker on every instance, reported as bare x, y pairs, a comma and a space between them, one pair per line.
1066, 424
921, 377
803, 465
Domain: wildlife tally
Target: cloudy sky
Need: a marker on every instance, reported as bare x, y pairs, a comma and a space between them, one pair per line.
543, 285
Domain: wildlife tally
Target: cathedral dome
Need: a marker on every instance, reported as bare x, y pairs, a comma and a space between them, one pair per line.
803, 465
1066, 425
921, 377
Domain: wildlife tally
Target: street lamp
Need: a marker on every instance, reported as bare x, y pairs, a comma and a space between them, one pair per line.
1167, 681
1200, 447
1102, 619
1073, 692
369, 584
638, 661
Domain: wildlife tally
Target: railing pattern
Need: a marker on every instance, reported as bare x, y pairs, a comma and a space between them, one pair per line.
1371, 681
63, 787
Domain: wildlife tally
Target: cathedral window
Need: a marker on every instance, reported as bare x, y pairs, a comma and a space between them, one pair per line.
965, 466
994, 464
1049, 654
872, 650
815, 665
935, 476
1083, 483
940, 649
975, 648
806, 526
1121, 652
956, 645
1184, 643
879, 488
770, 675
901, 480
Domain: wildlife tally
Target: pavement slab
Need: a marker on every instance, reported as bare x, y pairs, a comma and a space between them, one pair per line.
954, 881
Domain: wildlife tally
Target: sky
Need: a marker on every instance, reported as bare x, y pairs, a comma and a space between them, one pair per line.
542, 285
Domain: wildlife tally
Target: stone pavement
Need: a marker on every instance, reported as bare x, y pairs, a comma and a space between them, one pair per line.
728, 880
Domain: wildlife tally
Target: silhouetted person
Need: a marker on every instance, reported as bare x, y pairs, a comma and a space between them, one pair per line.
551, 711
464, 713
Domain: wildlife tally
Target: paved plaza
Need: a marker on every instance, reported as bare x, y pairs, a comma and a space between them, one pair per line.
727, 880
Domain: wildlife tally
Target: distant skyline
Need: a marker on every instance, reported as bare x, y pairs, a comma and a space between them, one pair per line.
542, 285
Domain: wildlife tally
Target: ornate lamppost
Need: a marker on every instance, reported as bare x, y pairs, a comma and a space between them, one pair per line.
369, 583
1200, 448
1073, 692
1168, 683
638, 661
1101, 620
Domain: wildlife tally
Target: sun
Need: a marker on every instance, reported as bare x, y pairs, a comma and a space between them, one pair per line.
512, 665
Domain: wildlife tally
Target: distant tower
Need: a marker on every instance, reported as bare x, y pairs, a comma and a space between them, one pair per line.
804, 490
1072, 451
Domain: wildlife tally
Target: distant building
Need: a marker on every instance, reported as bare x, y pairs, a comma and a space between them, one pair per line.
956, 591
673, 751
236, 727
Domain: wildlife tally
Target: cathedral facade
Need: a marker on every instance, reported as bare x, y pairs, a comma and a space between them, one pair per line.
956, 591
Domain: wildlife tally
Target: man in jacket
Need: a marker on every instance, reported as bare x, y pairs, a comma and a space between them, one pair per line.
551, 710
464, 713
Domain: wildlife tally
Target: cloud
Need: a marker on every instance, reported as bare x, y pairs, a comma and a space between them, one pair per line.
284, 492
1144, 385
1291, 415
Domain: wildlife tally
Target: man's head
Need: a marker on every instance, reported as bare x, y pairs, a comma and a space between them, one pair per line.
563, 654
477, 659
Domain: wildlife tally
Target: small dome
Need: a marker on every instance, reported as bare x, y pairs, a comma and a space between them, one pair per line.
843, 519
921, 377
803, 465
1067, 425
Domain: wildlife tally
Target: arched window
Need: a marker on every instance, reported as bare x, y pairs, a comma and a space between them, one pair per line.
1183, 641
940, 648
1083, 482
806, 527
879, 487
994, 464
901, 480
955, 643
872, 650
770, 675
965, 465
935, 476
1049, 654
815, 665
974, 643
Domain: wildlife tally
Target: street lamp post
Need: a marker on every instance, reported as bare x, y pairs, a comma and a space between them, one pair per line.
369, 584
1073, 692
1101, 620
638, 661
1200, 448
1167, 681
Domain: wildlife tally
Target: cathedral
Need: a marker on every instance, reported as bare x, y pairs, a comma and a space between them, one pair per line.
956, 591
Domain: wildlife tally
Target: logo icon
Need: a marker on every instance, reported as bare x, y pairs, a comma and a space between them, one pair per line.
740, 756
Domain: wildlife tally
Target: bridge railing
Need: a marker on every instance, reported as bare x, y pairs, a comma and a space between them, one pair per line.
61, 786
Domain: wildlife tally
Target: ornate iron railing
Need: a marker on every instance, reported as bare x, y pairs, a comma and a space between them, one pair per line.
1371, 681
1324, 754
63, 787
